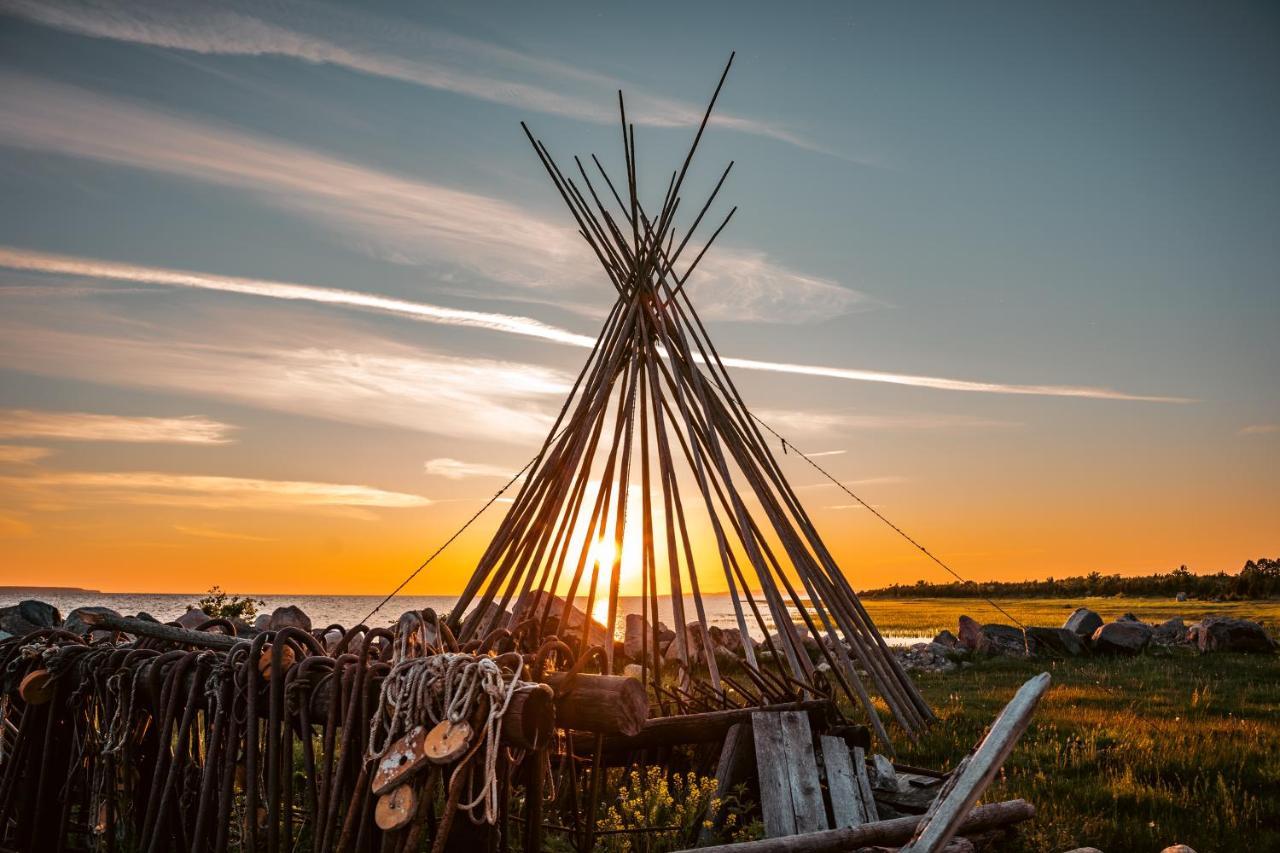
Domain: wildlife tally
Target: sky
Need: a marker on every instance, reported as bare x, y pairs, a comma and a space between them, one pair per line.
285, 296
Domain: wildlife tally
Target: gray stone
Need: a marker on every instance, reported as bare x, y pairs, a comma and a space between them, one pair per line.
1224, 634
289, 617
1122, 638
734, 641
76, 624
1083, 621
193, 618
1169, 632
1177, 848
1128, 617
1182, 596
262, 622
946, 638
883, 777
636, 637
27, 616
1058, 642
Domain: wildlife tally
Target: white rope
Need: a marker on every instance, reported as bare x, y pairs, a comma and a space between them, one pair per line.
434, 688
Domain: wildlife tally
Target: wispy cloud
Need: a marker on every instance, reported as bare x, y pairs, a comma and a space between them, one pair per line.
17, 454
64, 265
147, 488
393, 50
889, 480
1260, 429
214, 533
797, 422
825, 453
456, 469
321, 370
12, 527
86, 426
406, 220
42, 262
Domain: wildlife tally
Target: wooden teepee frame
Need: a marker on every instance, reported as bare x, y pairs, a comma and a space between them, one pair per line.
654, 390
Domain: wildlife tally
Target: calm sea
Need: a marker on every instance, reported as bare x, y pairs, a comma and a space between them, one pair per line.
349, 610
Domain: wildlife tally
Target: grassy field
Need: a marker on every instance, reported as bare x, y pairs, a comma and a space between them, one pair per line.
1123, 754
926, 616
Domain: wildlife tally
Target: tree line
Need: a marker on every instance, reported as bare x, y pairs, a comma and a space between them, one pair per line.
1257, 579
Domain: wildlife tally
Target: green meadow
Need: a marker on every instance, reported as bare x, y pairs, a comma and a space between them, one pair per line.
1123, 754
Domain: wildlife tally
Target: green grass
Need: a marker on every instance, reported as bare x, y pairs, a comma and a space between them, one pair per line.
926, 616
1123, 754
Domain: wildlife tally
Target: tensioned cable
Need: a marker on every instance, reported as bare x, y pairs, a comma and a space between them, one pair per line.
786, 444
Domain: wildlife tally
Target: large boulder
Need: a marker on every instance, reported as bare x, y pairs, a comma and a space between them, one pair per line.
289, 617
1170, 632
1083, 622
992, 639
1059, 642
193, 618
27, 616
733, 640
76, 624
637, 637
1122, 638
570, 620
1224, 634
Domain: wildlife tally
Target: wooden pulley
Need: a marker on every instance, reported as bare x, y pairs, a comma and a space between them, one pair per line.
37, 687
287, 660
396, 808
404, 758
447, 741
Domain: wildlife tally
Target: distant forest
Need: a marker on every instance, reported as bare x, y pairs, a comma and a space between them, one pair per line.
1258, 579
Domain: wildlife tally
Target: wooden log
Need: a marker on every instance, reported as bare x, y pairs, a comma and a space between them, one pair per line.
530, 719
942, 822
603, 704
886, 832
144, 628
710, 726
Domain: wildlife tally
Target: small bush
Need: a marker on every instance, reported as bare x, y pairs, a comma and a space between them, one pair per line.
219, 604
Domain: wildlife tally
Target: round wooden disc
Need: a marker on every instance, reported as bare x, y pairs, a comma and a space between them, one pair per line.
396, 808
447, 741
287, 658
37, 687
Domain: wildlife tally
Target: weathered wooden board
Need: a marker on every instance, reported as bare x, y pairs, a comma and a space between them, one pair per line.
864, 785
736, 758
775, 781
846, 799
806, 789
976, 772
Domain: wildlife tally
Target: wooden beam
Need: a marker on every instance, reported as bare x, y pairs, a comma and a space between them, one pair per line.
976, 772
886, 832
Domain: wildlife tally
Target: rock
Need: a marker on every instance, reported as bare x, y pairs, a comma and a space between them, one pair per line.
1128, 617
331, 639
882, 776
193, 618
570, 624
1122, 638
27, 616
734, 641
262, 622
1083, 622
1056, 641
926, 657
946, 638
76, 625
802, 635
633, 670
289, 617
1225, 634
1182, 596
638, 637
970, 634
1177, 848
991, 639
146, 617
1084, 850
1169, 632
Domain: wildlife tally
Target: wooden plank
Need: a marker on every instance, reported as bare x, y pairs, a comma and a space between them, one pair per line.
865, 794
977, 771
775, 781
806, 789
735, 759
846, 799
889, 833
